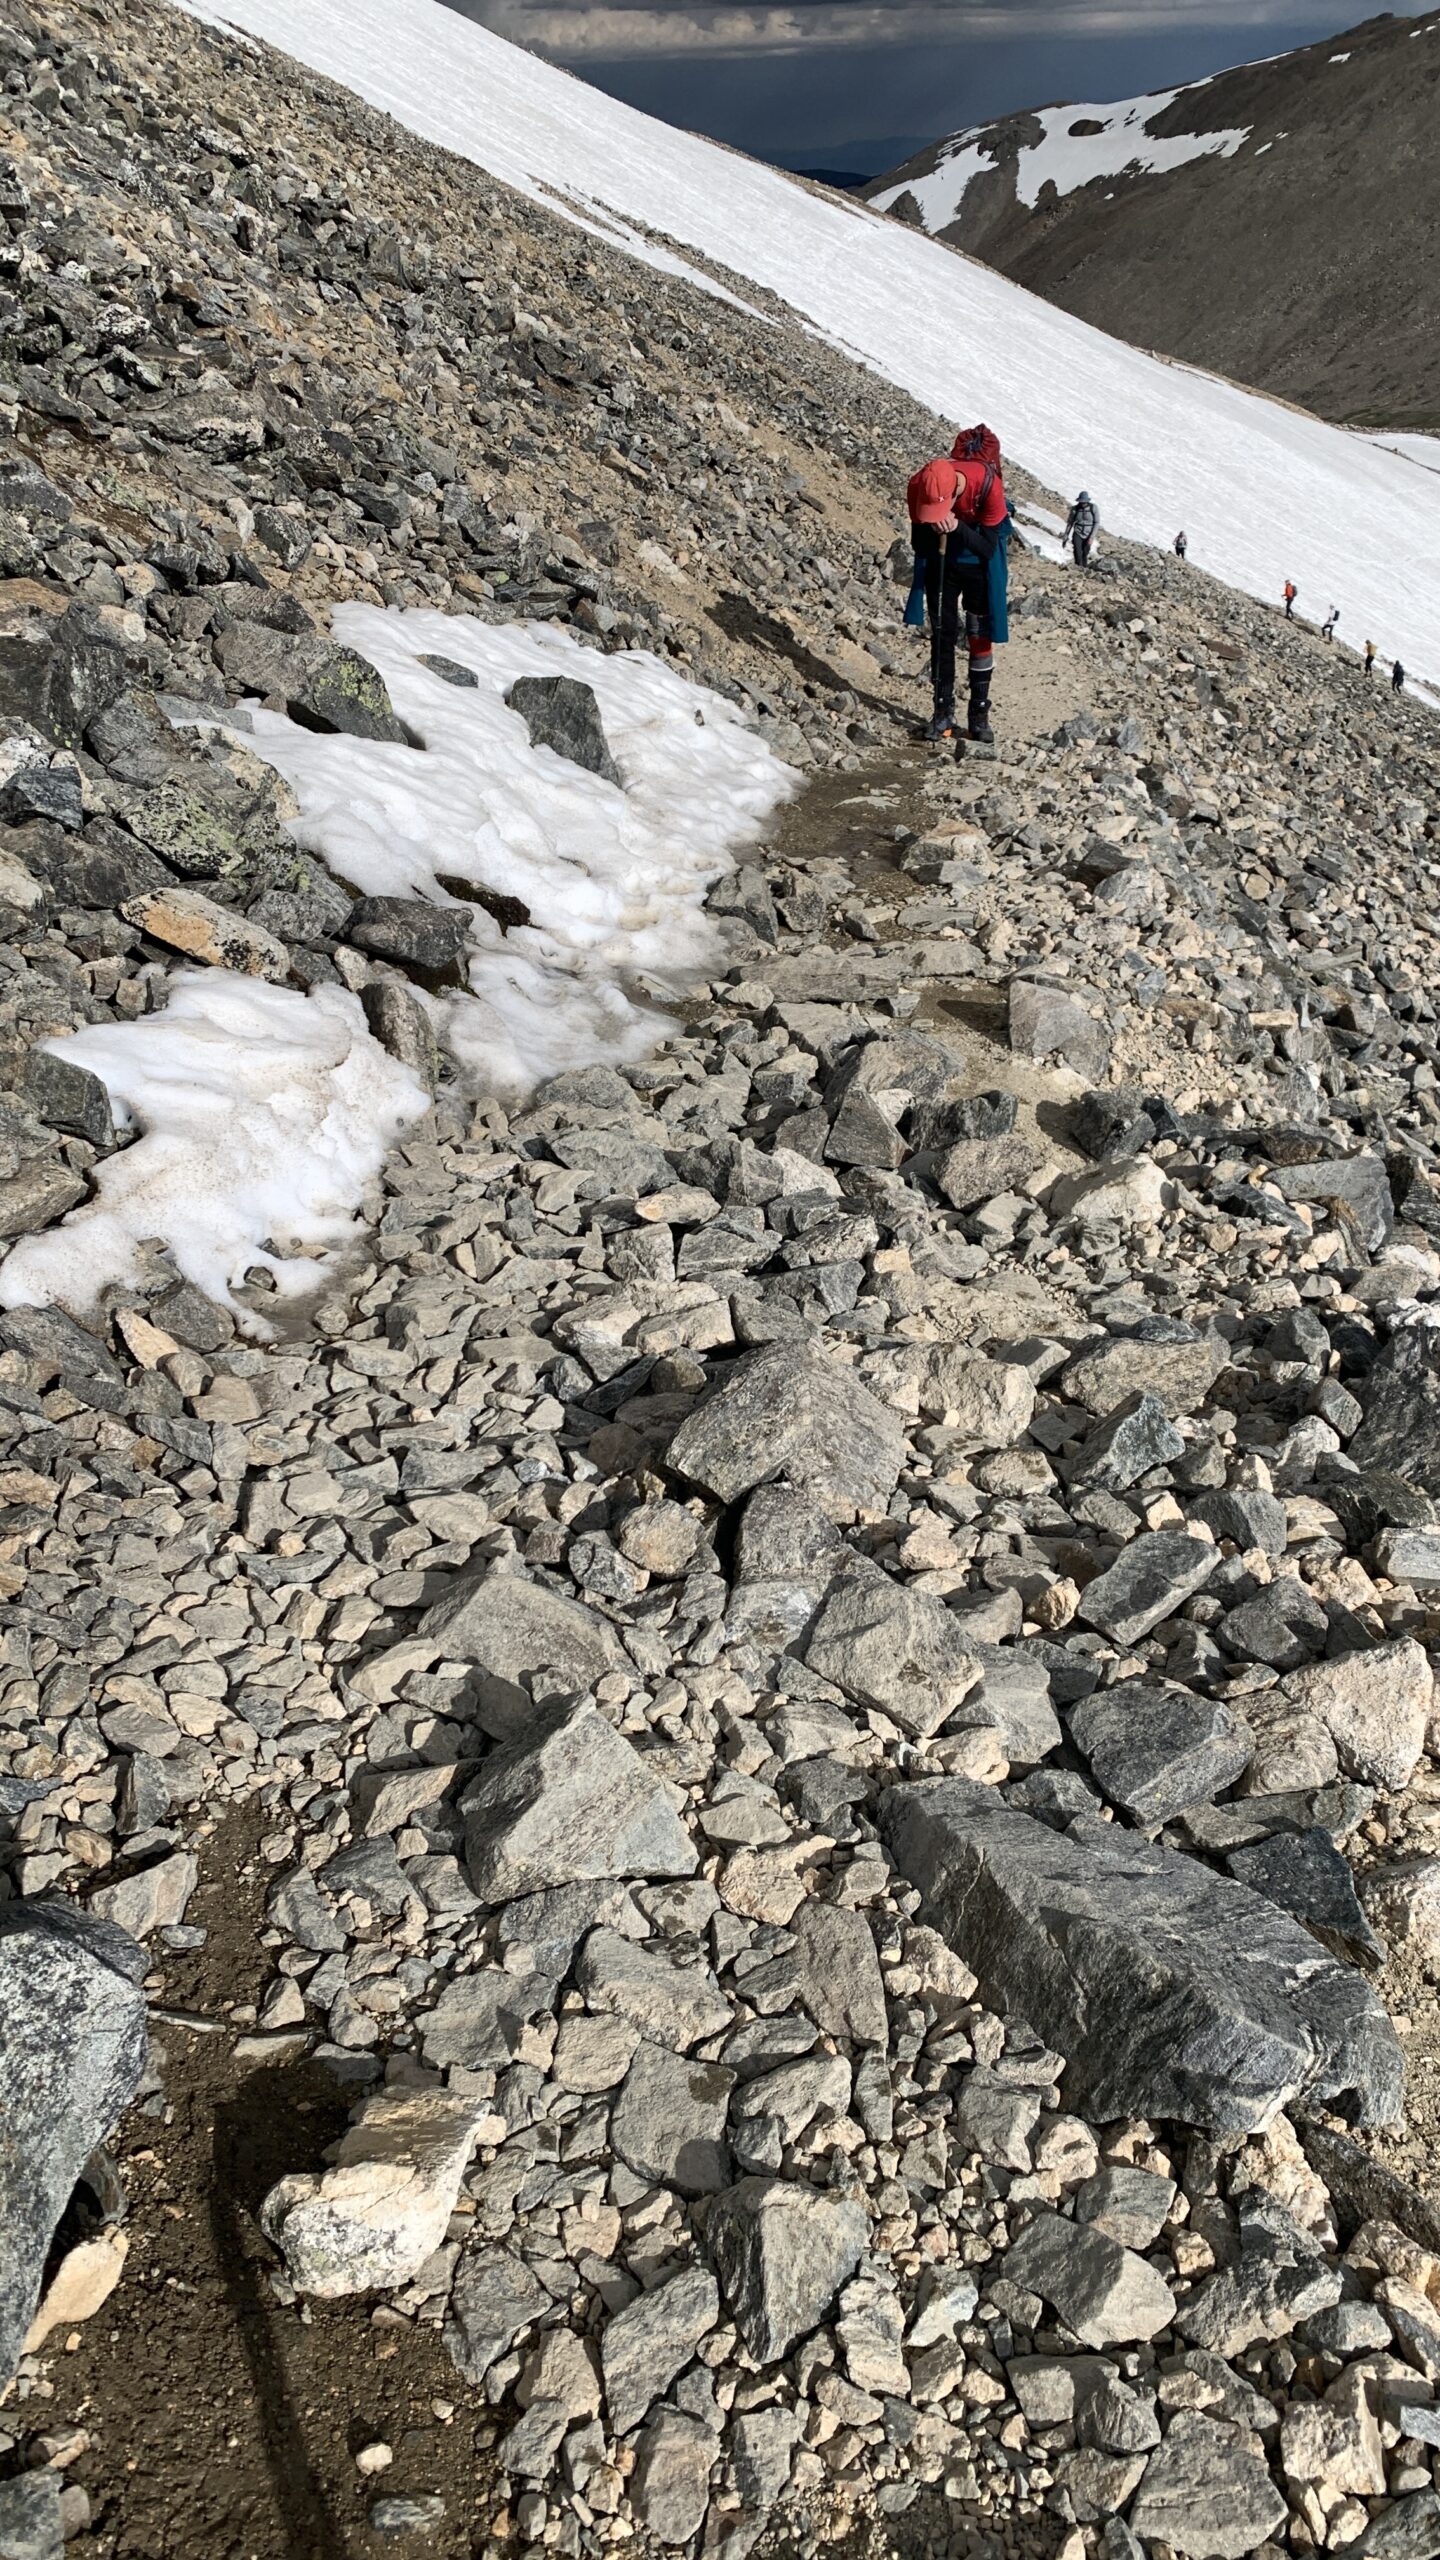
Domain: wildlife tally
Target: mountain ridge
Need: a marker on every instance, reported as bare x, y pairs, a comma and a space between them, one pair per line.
1234, 255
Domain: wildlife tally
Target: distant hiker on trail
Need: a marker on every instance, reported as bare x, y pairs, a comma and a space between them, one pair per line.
1397, 678
1291, 592
959, 525
1081, 526
1369, 657
1327, 627
1181, 546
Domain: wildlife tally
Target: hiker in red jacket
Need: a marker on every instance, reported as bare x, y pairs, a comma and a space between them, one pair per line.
959, 518
1290, 595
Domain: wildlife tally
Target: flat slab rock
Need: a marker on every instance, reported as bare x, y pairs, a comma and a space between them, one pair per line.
1207, 2491
1156, 1751
1107, 2294
892, 1648
1170, 1991
526, 1640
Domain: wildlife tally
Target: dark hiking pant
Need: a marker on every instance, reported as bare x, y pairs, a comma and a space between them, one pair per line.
955, 583
1082, 549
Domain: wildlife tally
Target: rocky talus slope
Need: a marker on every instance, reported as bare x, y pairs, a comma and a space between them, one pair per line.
1299, 262
801, 1712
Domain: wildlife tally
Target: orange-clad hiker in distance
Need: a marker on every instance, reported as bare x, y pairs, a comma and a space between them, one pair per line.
1290, 594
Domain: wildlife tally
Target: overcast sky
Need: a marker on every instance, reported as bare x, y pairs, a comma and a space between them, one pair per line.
862, 83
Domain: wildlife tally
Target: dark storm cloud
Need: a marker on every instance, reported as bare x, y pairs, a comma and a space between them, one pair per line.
577, 31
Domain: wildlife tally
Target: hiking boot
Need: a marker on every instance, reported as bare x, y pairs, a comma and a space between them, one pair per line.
978, 729
943, 724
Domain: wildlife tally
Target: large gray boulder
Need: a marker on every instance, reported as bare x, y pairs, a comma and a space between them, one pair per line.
72, 2047
1170, 1991
789, 1412
58, 674
575, 1801
323, 684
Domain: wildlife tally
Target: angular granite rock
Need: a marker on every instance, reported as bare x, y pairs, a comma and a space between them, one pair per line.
527, 1640
791, 1412
1170, 1991
31, 2527
1374, 1706
1157, 1751
648, 2342
1307, 1875
892, 1648
1401, 1397
562, 713
1178, 1374
782, 2252
1149, 1580
1107, 2294
1207, 2491
373, 2217
574, 1801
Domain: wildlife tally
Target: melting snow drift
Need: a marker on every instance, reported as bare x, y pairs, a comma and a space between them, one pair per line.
265, 1116
614, 879
1264, 492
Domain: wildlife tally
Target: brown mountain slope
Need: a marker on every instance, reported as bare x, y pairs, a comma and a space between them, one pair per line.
1305, 259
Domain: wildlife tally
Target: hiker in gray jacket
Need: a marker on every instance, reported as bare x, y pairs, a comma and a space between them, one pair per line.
1081, 526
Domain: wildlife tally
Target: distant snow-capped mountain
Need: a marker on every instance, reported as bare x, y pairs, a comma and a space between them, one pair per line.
1277, 222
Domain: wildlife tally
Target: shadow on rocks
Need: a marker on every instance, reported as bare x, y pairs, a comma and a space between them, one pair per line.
278, 2121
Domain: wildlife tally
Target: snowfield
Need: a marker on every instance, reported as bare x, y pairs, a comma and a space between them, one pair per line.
1424, 450
1264, 492
1065, 158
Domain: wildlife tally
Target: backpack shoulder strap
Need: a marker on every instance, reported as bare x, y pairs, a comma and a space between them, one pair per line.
975, 514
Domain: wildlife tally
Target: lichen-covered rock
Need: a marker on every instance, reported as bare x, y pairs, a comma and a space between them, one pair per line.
72, 2046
